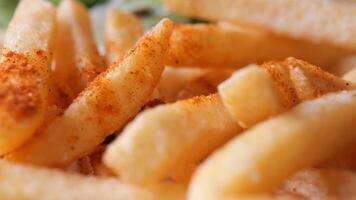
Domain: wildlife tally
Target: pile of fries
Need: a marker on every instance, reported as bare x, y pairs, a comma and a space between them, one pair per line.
260, 103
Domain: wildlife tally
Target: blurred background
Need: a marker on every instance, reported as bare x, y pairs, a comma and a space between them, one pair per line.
150, 11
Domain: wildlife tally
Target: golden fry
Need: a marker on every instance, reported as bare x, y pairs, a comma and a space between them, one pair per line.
77, 60
254, 94
323, 21
305, 136
175, 137
205, 45
122, 30
106, 105
24, 72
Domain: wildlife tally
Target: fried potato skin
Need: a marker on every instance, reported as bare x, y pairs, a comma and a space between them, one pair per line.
285, 139
235, 46
24, 73
176, 137
105, 106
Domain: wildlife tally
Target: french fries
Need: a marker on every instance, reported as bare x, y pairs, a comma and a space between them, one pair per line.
171, 136
207, 45
169, 118
105, 106
77, 60
122, 30
243, 166
324, 21
274, 87
27, 182
24, 73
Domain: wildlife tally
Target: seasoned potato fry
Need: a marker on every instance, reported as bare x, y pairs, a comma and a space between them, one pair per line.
106, 105
243, 166
24, 72
77, 60
254, 94
122, 30
303, 19
322, 184
26, 182
175, 137
205, 45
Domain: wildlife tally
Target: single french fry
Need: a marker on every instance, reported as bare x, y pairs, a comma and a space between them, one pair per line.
207, 45
254, 94
318, 20
250, 96
122, 30
106, 105
260, 159
27, 182
175, 137
24, 72
77, 60
321, 184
